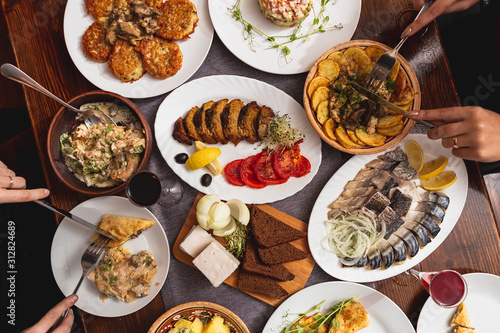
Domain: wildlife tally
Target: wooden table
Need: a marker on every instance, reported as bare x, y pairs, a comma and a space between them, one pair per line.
35, 29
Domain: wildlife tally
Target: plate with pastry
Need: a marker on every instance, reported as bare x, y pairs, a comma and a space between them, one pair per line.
133, 269
354, 306
478, 313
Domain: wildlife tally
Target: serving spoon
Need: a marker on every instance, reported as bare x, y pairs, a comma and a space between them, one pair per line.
90, 117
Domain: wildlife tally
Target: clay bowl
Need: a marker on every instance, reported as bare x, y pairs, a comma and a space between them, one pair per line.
65, 120
201, 310
391, 141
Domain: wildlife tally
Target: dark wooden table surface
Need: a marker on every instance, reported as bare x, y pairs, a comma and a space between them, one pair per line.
35, 29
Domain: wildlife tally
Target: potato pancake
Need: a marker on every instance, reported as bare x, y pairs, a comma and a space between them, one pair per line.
161, 58
99, 8
178, 20
123, 4
153, 3
94, 42
125, 62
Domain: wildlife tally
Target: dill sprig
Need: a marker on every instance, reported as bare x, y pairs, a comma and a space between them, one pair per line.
320, 25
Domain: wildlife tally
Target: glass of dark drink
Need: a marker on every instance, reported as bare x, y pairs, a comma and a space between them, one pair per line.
447, 288
145, 189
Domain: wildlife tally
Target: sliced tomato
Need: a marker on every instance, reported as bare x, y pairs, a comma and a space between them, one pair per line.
265, 172
302, 167
247, 172
283, 161
232, 173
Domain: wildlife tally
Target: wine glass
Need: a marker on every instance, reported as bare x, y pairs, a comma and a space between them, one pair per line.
447, 288
145, 189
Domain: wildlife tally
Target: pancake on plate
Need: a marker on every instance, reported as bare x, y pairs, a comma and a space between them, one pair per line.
123, 228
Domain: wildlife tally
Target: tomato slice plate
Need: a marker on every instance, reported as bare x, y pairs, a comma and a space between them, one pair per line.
265, 172
232, 173
247, 172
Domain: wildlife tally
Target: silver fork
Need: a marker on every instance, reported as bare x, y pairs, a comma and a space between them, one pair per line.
90, 258
387, 60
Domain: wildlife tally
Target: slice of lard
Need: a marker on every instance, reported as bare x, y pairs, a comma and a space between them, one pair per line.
216, 263
196, 241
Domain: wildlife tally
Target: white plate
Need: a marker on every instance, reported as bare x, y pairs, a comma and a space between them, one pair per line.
483, 305
330, 263
302, 55
217, 87
71, 240
194, 51
385, 316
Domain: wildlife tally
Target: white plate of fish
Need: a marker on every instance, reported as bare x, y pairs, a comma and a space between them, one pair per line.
215, 88
256, 51
383, 313
417, 221
194, 51
71, 240
482, 303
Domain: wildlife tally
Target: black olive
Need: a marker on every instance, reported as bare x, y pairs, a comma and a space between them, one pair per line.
206, 180
181, 158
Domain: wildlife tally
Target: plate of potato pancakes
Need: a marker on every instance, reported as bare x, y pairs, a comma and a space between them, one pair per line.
138, 48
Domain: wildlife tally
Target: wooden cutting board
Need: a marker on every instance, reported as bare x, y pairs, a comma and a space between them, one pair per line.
301, 268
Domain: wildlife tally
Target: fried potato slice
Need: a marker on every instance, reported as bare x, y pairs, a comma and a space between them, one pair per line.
399, 85
393, 130
375, 139
94, 42
318, 81
354, 137
160, 57
125, 62
341, 60
406, 107
406, 97
178, 20
389, 121
329, 128
344, 139
394, 71
319, 95
328, 68
323, 112
361, 61
99, 8
374, 52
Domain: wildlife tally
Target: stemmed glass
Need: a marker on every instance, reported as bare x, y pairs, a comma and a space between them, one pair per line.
145, 189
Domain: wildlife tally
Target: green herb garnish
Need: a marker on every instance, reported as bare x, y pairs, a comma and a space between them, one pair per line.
235, 242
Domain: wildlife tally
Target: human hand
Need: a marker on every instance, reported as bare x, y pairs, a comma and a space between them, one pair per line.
53, 315
437, 8
12, 188
476, 131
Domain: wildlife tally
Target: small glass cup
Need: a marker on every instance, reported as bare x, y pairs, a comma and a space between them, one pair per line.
146, 189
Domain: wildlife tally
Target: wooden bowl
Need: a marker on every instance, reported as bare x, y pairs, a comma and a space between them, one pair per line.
65, 120
392, 141
201, 310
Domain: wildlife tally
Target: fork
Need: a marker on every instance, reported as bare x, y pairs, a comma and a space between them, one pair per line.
387, 60
90, 258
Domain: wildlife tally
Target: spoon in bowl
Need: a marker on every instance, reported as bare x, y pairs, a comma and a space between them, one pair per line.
90, 117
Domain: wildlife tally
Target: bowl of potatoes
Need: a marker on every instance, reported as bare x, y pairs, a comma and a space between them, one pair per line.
199, 317
347, 120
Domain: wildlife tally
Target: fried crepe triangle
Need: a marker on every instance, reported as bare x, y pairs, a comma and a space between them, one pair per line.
461, 321
123, 228
351, 318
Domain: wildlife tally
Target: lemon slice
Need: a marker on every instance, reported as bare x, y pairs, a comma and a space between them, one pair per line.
439, 182
433, 168
415, 154
215, 167
202, 157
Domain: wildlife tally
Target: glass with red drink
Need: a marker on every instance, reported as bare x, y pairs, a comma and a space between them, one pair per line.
447, 288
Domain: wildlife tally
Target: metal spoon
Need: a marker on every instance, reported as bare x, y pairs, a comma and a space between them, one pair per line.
90, 117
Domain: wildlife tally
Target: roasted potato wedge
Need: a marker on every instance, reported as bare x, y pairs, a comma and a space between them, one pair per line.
393, 130
329, 128
344, 139
406, 107
375, 139
341, 60
318, 81
352, 135
361, 60
323, 113
374, 52
328, 68
319, 95
406, 97
389, 121
399, 85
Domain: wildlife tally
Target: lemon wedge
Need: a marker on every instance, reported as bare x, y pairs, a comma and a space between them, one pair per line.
215, 166
433, 168
439, 182
202, 157
415, 154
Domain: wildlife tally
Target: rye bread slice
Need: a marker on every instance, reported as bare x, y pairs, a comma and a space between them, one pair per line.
269, 231
260, 284
252, 264
281, 253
